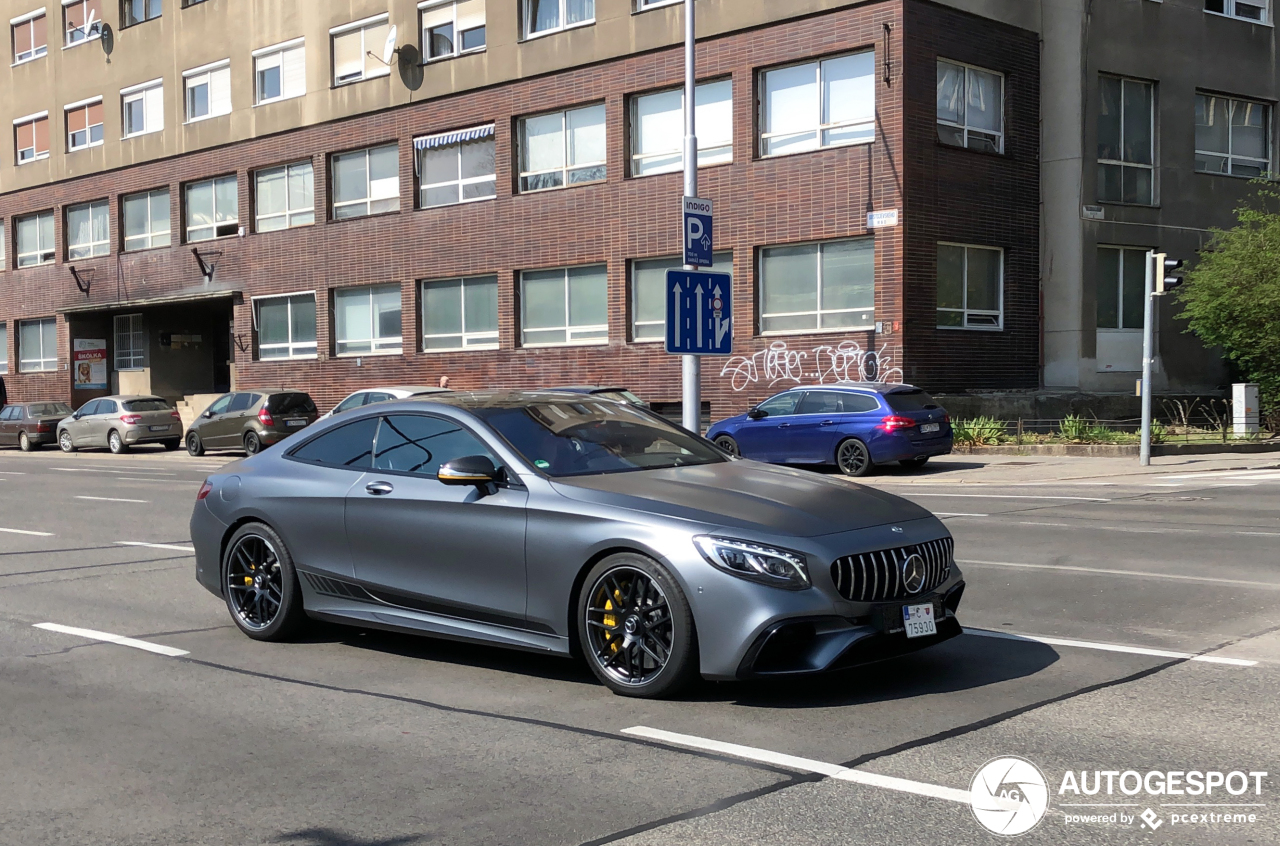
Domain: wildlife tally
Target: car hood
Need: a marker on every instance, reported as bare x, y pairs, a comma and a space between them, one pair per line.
747, 495
728, 421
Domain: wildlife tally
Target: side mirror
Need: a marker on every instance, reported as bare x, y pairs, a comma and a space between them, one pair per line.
207, 415
756, 414
469, 470
76, 416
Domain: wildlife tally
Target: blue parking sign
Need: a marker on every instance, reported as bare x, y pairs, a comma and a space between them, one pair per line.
699, 313
698, 244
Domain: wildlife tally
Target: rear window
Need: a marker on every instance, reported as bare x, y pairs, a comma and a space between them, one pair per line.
910, 401
296, 403
146, 405
48, 409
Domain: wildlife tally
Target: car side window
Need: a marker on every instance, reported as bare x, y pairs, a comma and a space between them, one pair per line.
88, 408
8, 414
349, 447
353, 401
780, 405
241, 402
860, 403
418, 444
376, 397
220, 404
821, 402
107, 407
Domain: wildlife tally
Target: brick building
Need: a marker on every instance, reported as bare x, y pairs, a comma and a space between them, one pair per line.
247, 196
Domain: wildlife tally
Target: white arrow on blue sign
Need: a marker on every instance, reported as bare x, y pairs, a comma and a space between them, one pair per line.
699, 313
698, 244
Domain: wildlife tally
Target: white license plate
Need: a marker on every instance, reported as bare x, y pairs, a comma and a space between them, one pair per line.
918, 620
930, 427
158, 428
295, 422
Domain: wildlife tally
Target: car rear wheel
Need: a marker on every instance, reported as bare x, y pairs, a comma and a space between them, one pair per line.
636, 629
64, 441
195, 446
172, 444
24, 443
116, 444
914, 463
853, 458
261, 585
252, 443
728, 444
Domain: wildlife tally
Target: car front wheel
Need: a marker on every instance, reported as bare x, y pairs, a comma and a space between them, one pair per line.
195, 447
64, 441
853, 458
261, 585
728, 444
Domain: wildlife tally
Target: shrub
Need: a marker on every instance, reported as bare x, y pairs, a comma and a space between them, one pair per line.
979, 431
1074, 429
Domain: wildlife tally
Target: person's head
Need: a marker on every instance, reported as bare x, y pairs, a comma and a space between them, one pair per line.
444, 381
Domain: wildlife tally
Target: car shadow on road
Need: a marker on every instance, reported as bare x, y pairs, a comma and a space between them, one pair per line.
334, 837
896, 471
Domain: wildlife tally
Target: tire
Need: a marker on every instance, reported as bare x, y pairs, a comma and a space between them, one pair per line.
116, 443
24, 443
64, 442
195, 446
914, 463
729, 445
172, 444
853, 458
630, 578
260, 584
252, 443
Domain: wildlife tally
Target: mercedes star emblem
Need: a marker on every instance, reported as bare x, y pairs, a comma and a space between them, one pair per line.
913, 573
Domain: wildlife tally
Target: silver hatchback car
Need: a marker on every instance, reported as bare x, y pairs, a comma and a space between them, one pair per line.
120, 422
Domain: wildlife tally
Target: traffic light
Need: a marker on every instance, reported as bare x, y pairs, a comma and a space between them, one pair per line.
1171, 275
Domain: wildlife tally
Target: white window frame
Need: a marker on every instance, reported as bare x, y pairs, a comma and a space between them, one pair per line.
964, 127
1265, 164
637, 158
41, 250
1123, 164
526, 19
818, 311
818, 127
88, 129
367, 71
431, 6
36, 52
1229, 11
368, 199
94, 246
149, 94
569, 329
186, 209
565, 169
278, 53
203, 75
48, 360
4, 347
150, 236
146, 8
389, 345
90, 35
35, 156
486, 340
295, 350
964, 289
633, 290
289, 213
646, 5
127, 356
461, 182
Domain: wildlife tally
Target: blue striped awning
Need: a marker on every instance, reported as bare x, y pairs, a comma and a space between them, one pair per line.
427, 142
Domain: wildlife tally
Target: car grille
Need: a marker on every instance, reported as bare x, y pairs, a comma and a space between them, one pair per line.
877, 576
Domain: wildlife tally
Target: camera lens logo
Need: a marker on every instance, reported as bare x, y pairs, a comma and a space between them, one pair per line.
1009, 796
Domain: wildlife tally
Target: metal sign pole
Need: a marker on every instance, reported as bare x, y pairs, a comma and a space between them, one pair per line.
690, 365
1155, 264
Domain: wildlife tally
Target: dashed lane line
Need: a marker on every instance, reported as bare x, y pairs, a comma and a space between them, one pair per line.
113, 499
108, 637
28, 532
157, 545
1140, 574
1007, 496
1112, 647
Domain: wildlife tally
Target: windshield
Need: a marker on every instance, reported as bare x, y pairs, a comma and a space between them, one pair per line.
49, 409
146, 405
590, 437
916, 400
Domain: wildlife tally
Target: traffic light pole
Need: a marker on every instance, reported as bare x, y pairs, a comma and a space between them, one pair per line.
690, 365
1155, 264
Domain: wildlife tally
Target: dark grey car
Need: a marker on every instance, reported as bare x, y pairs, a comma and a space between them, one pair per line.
250, 420
571, 524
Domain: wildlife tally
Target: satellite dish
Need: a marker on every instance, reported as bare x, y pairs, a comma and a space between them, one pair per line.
410, 67
108, 39
389, 49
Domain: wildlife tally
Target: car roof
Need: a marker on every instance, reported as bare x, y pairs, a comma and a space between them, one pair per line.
861, 387
129, 397
267, 391
494, 398
587, 389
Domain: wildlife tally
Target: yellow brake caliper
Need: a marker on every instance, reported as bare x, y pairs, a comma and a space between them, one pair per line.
610, 620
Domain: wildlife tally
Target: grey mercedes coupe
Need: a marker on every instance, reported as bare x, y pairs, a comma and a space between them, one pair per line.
575, 525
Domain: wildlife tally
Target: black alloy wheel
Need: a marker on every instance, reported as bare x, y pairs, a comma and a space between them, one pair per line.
195, 446
853, 458
261, 585
116, 443
728, 444
252, 443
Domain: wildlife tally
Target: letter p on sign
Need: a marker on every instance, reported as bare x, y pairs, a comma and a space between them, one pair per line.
698, 246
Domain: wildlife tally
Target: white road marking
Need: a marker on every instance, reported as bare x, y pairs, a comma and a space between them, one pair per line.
1012, 496
765, 756
26, 532
12, 473
1263, 534
157, 545
104, 470
1136, 573
1030, 523
112, 499
957, 514
1112, 647
161, 481
107, 637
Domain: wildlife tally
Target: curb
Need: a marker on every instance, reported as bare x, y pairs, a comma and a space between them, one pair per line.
1118, 450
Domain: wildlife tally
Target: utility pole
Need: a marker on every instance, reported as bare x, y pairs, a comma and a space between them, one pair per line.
690, 365
1155, 264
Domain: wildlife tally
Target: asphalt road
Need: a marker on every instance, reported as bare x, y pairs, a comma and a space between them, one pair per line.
1091, 607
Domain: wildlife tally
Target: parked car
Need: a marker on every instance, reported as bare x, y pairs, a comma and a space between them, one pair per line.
251, 420
372, 395
854, 427
572, 526
120, 422
619, 394
31, 425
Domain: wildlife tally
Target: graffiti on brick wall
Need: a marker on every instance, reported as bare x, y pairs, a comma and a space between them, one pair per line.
847, 361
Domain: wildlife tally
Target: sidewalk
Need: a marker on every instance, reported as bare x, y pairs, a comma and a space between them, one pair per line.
962, 469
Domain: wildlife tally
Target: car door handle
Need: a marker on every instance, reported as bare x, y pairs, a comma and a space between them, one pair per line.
379, 488
784, 425
827, 423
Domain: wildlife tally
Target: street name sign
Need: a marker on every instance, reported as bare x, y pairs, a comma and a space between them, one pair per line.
698, 246
699, 313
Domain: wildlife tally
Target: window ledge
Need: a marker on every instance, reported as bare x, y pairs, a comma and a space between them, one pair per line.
190, 243
828, 148
558, 30
367, 78
125, 252
140, 134
374, 354
701, 167
39, 158
1272, 178
472, 348
566, 187
1141, 205
987, 329
204, 118
597, 342
82, 42
28, 61
280, 99
472, 201
269, 232
333, 219
261, 360
778, 333
438, 59
85, 147
1001, 155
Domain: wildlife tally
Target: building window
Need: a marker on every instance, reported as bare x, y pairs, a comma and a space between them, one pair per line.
1126, 141
286, 326
88, 233
146, 220
366, 182
30, 39
35, 239
38, 345
280, 72
970, 287
4, 348
137, 11
213, 209
562, 148
816, 287
819, 104
3, 263
1249, 10
544, 16
1233, 137
142, 108
649, 293
641, 5
657, 128
84, 125
352, 45
82, 20
1122, 287
564, 306
131, 342
283, 197
32, 137
460, 314
970, 107
452, 28
367, 320
456, 167
208, 91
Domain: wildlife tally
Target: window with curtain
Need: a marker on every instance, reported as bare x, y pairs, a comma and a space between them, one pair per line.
649, 293
32, 138
138, 11
657, 128
283, 197
456, 167
366, 182
812, 287
1122, 287
562, 148
76, 16
30, 38
142, 108
130, 342
208, 91
367, 320
970, 287
545, 16
352, 45
460, 313
286, 326
970, 107
84, 125
1233, 137
35, 239
38, 345
818, 104
146, 219
213, 209
564, 306
88, 232
280, 72
1126, 141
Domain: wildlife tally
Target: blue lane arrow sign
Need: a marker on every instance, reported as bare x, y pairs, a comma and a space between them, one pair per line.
699, 313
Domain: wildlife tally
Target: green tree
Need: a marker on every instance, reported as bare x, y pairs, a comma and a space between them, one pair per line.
1231, 298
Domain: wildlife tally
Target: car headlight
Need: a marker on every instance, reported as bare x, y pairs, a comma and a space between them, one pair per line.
765, 564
